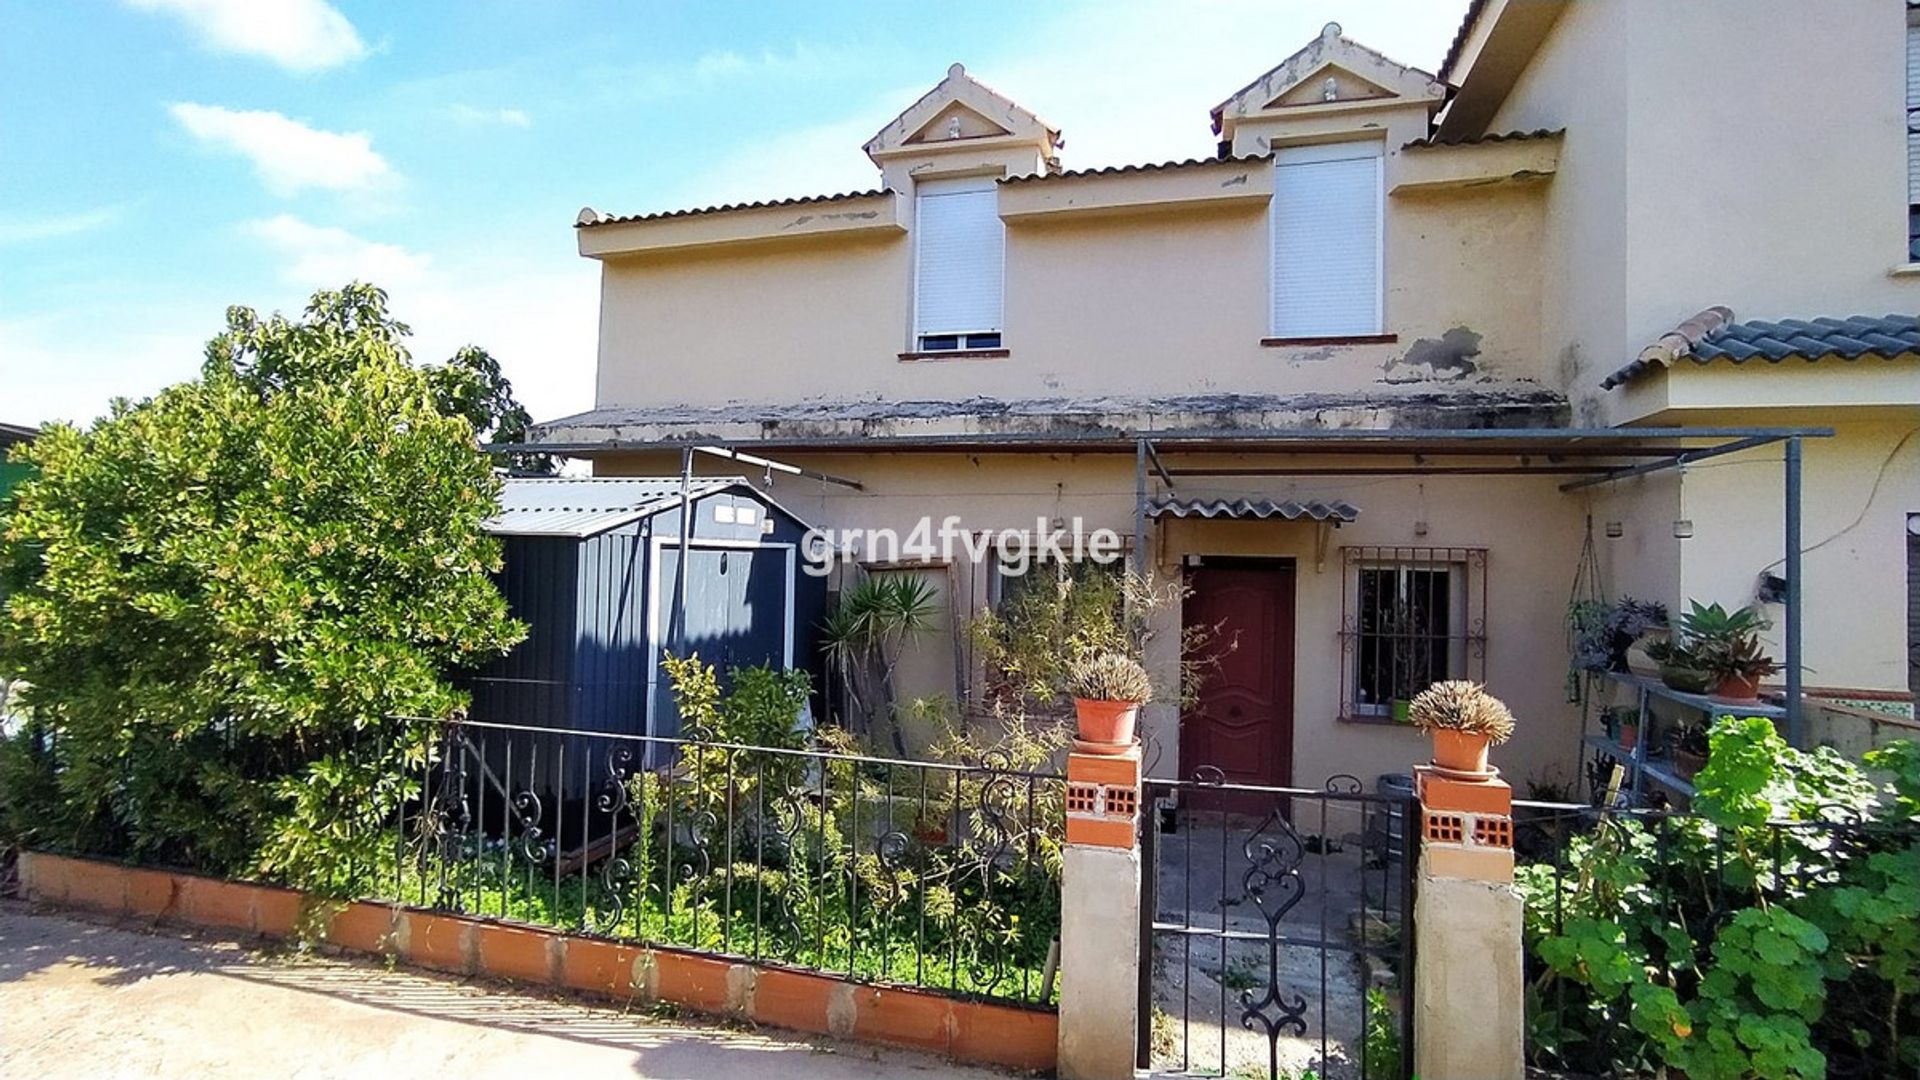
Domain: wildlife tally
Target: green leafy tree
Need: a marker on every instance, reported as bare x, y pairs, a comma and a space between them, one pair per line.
223, 593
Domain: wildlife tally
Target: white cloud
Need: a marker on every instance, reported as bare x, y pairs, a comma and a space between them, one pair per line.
322, 256
469, 116
54, 226
299, 35
288, 155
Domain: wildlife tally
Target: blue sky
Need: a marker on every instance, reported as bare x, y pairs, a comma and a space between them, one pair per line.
162, 159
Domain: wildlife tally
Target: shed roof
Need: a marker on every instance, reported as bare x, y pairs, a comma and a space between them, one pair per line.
1714, 335
580, 507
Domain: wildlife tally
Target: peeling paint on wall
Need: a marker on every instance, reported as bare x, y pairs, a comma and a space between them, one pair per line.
1448, 356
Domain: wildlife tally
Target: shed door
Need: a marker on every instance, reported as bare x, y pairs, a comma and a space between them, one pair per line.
737, 614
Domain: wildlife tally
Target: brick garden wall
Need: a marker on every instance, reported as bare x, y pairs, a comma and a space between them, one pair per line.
796, 1000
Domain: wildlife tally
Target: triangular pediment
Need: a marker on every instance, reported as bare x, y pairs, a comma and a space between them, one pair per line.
1359, 76
1330, 82
957, 121
961, 109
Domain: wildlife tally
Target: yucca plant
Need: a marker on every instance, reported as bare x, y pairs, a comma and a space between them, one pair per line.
1459, 705
1109, 676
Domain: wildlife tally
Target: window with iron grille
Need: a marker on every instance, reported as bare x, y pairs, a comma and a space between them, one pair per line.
1411, 617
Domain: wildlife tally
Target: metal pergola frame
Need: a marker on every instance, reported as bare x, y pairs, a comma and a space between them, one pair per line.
1571, 452
1587, 457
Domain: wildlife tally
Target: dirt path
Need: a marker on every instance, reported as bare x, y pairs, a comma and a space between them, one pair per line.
89, 999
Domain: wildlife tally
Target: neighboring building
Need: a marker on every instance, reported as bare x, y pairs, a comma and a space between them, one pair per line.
1593, 217
11, 473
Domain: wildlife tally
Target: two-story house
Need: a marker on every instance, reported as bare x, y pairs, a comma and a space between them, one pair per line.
1367, 380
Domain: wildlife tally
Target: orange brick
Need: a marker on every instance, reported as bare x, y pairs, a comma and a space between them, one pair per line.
276, 912
598, 967
698, 982
1123, 770
1489, 797
96, 885
212, 902
366, 928
792, 999
1014, 1038
903, 1018
1100, 833
512, 952
153, 893
437, 941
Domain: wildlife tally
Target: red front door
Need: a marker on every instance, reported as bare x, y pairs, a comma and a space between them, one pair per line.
1242, 724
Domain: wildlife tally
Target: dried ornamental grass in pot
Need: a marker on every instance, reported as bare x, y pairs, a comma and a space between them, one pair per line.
1108, 689
1464, 720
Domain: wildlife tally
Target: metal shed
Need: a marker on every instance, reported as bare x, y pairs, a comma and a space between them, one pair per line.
591, 565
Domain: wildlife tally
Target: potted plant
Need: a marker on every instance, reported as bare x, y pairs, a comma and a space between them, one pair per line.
1690, 748
1108, 689
1464, 721
1623, 725
1726, 645
1680, 667
1409, 651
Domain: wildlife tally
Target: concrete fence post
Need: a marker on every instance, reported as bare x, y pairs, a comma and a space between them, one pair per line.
1100, 918
1469, 982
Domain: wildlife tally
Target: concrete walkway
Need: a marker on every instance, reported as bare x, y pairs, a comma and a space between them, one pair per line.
91, 999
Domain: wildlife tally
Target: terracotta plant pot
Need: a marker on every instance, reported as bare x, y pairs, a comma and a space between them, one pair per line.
1106, 724
1460, 751
1744, 689
1629, 735
1686, 763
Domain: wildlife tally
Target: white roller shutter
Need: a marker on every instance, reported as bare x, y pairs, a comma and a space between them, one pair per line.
959, 256
1326, 241
1913, 103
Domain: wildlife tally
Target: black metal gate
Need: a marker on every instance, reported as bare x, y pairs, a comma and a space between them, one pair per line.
1276, 944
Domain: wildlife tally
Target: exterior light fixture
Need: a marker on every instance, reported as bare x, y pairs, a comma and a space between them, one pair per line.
1683, 529
1419, 528
1615, 530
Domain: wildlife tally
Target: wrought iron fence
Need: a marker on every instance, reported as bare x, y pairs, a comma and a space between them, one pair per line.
1278, 931
1620, 897
942, 876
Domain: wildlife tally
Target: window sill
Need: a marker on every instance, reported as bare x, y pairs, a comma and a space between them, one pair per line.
1346, 339
956, 354
1374, 721
1911, 269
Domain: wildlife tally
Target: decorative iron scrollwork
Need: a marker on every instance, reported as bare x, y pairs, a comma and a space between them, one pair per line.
1274, 853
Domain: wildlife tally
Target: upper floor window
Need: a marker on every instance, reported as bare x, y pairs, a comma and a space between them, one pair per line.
1327, 208
959, 268
1913, 134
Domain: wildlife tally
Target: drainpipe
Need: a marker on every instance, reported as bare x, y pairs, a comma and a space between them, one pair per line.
1796, 728
1140, 507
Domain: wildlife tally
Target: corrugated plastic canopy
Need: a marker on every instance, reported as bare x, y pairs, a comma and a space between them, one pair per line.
1253, 509
587, 506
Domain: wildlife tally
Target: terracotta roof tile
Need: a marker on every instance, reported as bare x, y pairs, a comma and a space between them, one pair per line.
1713, 335
1491, 137
590, 217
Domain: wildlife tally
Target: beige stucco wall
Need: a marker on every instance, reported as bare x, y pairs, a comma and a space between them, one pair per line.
1859, 488
1137, 303
1706, 162
1531, 532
